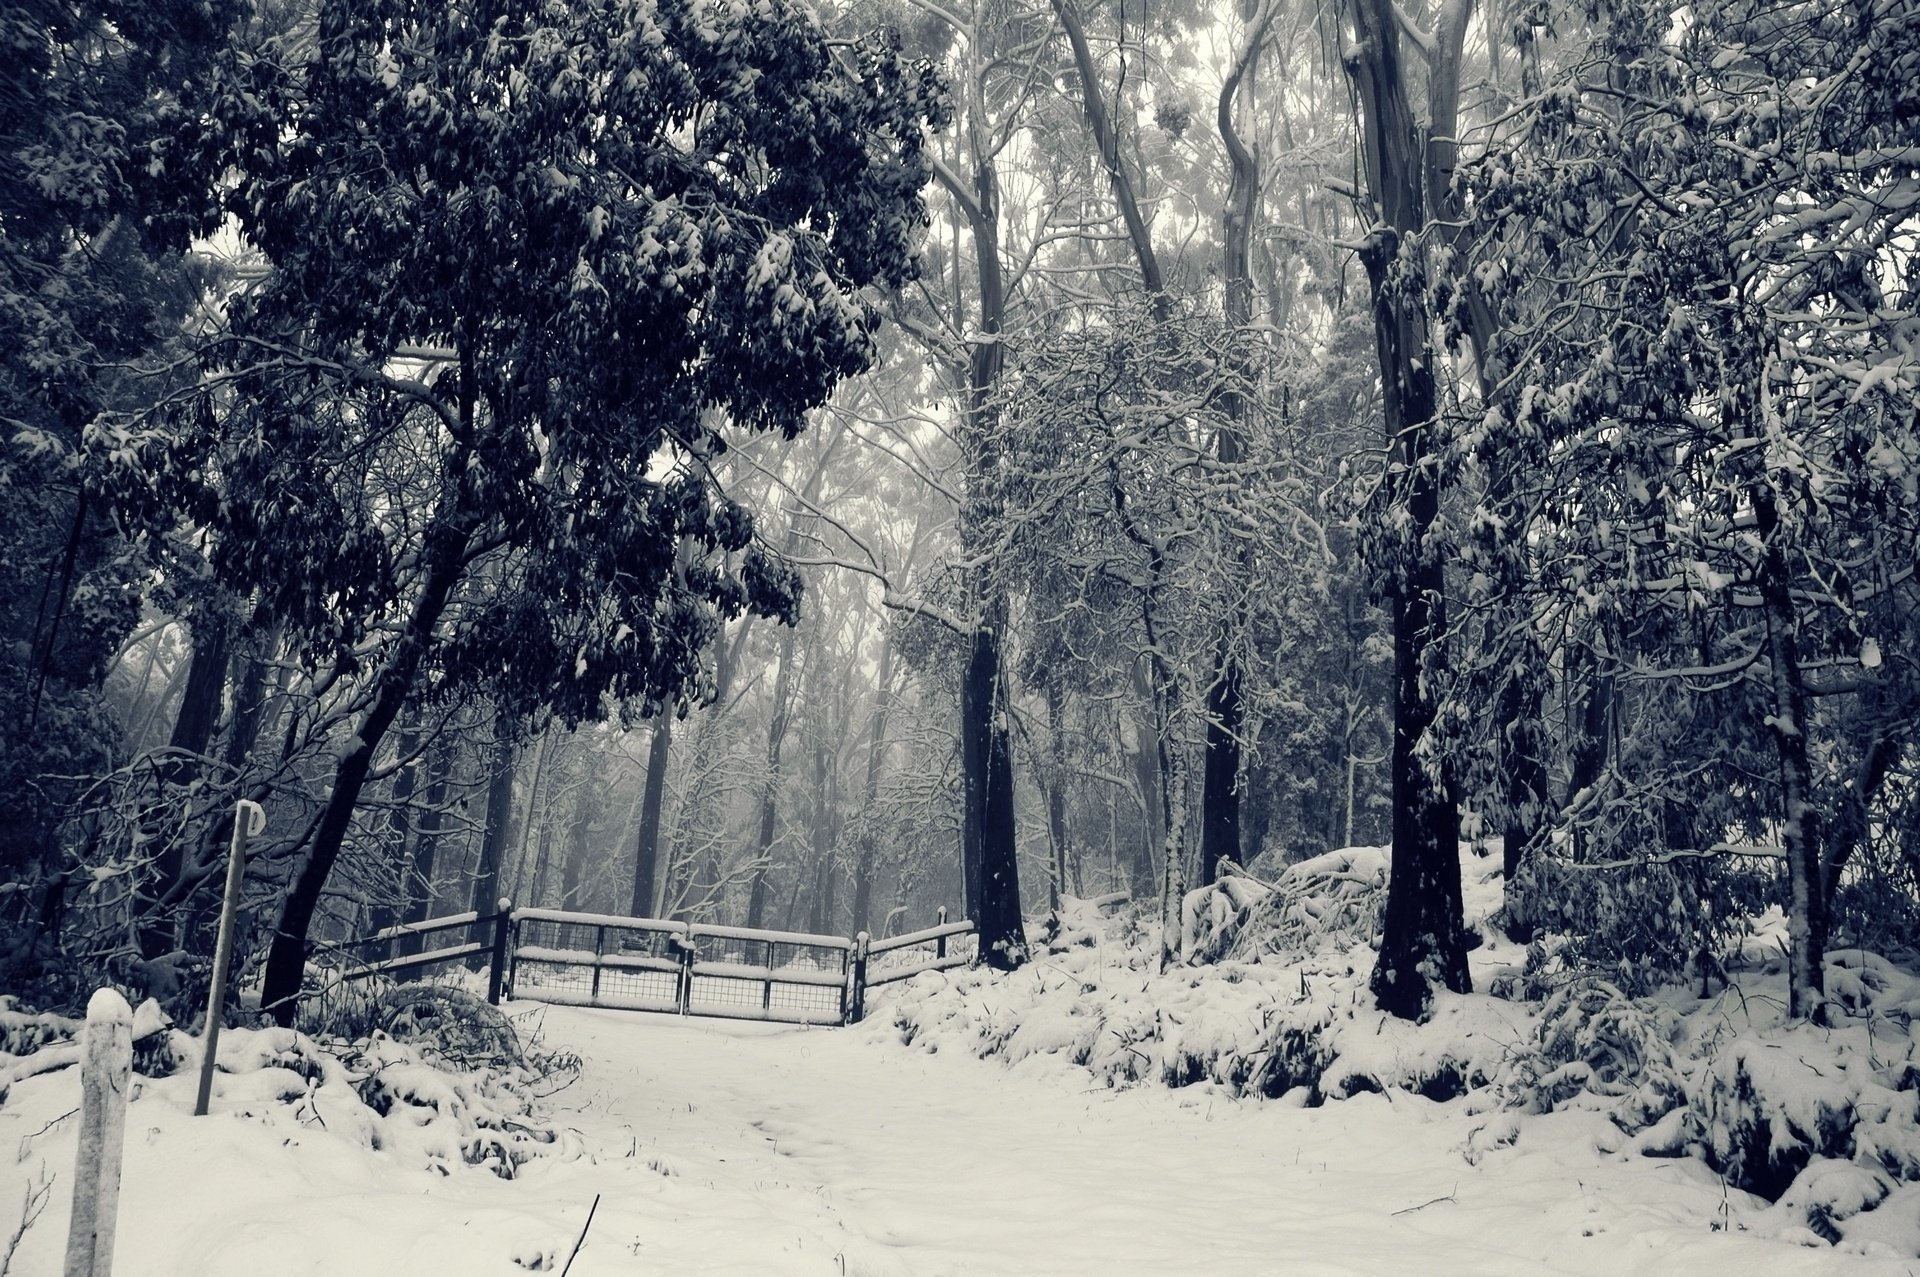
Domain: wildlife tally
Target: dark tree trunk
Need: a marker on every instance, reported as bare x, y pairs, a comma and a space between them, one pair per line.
1220, 832
1421, 932
1808, 904
1524, 777
646, 850
1220, 777
993, 869
499, 821
286, 957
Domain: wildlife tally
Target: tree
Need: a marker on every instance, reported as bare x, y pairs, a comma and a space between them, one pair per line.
92, 279
529, 265
1725, 434
1405, 161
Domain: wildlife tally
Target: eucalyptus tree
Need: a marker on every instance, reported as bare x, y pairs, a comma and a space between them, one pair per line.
541, 259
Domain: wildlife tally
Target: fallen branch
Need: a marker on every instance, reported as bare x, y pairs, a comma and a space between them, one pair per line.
581, 1240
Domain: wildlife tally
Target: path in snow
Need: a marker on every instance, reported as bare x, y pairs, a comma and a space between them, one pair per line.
752, 1149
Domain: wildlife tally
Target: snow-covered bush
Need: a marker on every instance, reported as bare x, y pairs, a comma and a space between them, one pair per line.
1641, 925
1328, 902
467, 1093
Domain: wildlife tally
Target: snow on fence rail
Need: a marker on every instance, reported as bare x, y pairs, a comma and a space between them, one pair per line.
656, 964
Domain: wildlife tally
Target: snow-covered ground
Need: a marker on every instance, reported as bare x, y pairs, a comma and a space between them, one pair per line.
738, 1148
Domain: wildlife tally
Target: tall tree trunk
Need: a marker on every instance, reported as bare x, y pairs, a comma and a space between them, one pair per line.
876, 763
993, 870
1422, 931
1807, 900
1220, 832
989, 857
770, 791
1056, 785
646, 849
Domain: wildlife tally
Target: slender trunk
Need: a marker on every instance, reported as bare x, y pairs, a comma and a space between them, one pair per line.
394, 867
580, 837
876, 762
1524, 773
286, 957
1146, 779
1220, 831
646, 850
426, 839
187, 748
1807, 909
1056, 796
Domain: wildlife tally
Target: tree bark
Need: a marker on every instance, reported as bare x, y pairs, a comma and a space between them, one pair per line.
646, 850
286, 957
498, 830
993, 868
1422, 930
187, 747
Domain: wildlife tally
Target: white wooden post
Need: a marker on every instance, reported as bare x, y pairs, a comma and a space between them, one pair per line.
105, 1073
248, 821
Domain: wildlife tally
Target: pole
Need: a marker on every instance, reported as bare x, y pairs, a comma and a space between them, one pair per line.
105, 1071
497, 973
249, 819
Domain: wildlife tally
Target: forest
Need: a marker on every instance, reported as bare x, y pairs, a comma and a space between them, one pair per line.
799, 468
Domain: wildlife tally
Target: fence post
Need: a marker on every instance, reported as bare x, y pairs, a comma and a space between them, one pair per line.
249, 819
683, 993
858, 1011
940, 944
599, 951
104, 1077
497, 974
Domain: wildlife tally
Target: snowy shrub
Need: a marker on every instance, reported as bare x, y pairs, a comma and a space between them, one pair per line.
1592, 1038
1213, 916
1641, 925
1328, 902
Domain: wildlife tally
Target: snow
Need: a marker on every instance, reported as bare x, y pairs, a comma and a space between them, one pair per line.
1087, 1114
720, 1147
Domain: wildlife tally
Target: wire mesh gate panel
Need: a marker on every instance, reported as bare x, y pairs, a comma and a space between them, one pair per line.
598, 960
646, 964
768, 975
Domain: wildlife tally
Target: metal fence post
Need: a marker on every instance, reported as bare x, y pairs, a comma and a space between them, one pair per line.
940, 943
497, 974
249, 820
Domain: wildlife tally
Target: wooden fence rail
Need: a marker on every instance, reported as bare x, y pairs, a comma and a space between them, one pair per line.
656, 964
